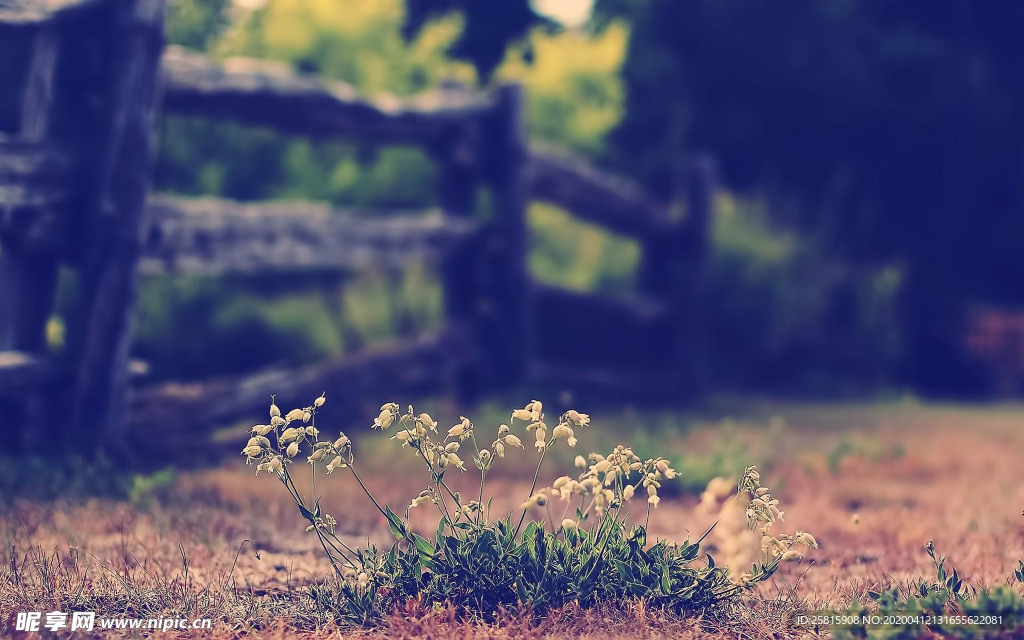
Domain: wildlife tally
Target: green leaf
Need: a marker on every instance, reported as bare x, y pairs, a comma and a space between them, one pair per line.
666, 580
307, 514
424, 547
395, 523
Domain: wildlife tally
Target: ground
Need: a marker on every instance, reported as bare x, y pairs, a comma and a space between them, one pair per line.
874, 483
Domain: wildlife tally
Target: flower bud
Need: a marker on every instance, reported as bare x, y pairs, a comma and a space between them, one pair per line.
319, 402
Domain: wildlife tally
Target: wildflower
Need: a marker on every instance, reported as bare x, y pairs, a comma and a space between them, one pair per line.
576, 418
523, 415
336, 463
292, 449
294, 414
541, 437
806, 539
502, 430
312, 432
383, 421
792, 555
428, 422
276, 421
274, 411
569, 524
317, 456
485, 456
454, 460
262, 429
319, 402
562, 430
513, 440
341, 442
456, 431
537, 500
424, 497
667, 471
499, 449
652, 493
580, 462
536, 410
291, 433
627, 493
252, 450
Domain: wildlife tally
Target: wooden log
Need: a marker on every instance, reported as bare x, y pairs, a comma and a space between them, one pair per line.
115, 222
28, 273
266, 93
504, 316
595, 195
180, 416
458, 161
211, 236
32, 13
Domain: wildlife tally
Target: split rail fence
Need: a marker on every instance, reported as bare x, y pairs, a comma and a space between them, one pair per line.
76, 153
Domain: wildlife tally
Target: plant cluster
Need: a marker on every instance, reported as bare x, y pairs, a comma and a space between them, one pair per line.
482, 563
946, 606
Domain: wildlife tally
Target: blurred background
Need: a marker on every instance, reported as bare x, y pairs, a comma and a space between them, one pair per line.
869, 158
861, 165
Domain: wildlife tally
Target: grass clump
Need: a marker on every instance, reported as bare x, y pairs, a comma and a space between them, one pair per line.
944, 607
483, 563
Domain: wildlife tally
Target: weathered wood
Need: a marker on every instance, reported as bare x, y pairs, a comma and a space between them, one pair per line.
31, 13
28, 273
33, 182
212, 236
504, 319
267, 93
594, 195
596, 332
21, 371
179, 417
115, 228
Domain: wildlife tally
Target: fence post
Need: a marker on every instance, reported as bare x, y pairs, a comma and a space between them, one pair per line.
458, 156
28, 268
505, 318
114, 231
28, 274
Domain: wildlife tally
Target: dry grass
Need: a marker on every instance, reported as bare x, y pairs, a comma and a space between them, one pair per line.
910, 473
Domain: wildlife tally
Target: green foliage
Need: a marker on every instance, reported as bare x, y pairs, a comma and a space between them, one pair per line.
487, 569
73, 477
490, 27
579, 256
946, 607
783, 315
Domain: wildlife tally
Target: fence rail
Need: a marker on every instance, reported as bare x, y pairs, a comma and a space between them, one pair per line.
210, 236
81, 204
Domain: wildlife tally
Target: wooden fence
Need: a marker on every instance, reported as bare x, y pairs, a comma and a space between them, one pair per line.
75, 163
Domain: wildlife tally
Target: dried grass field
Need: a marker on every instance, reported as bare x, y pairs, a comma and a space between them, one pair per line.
874, 483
